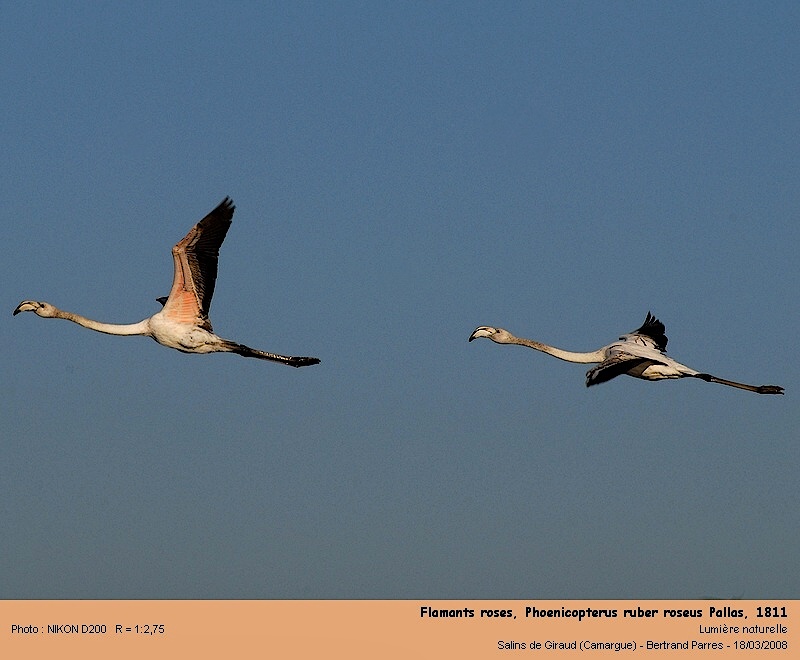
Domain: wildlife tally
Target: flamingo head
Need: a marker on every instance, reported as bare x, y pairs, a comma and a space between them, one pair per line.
43, 309
498, 335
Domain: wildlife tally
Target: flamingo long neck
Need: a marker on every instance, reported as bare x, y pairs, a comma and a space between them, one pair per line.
569, 356
140, 328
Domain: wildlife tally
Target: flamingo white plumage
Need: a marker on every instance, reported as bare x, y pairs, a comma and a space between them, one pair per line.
183, 322
640, 354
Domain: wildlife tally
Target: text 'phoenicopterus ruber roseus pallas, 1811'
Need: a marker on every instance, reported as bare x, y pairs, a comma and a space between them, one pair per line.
183, 322
639, 354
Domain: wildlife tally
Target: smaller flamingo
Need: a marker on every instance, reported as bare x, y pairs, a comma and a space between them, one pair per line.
640, 354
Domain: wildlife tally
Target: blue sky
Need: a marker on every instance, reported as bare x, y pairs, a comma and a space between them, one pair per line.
403, 172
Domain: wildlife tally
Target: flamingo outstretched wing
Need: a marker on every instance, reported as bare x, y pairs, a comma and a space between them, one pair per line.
196, 257
653, 329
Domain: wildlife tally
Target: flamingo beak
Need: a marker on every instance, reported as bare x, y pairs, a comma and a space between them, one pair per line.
26, 306
482, 331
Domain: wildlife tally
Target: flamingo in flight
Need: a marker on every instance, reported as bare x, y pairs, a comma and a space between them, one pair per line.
640, 354
183, 322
